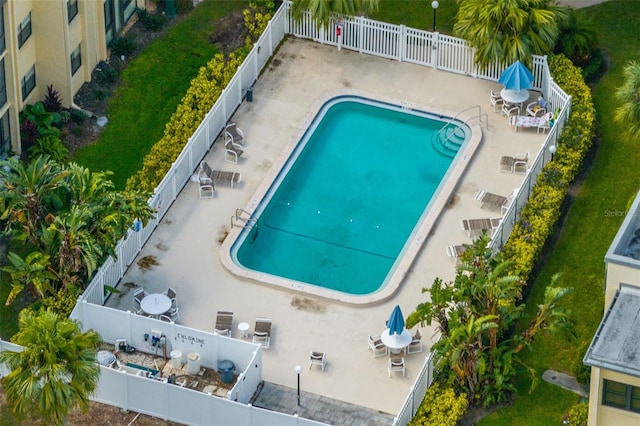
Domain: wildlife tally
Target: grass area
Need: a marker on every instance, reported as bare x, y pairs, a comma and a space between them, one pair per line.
152, 86
8, 314
418, 14
578, 255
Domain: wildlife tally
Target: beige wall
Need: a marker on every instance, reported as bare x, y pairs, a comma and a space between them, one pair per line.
616, 275
602, 415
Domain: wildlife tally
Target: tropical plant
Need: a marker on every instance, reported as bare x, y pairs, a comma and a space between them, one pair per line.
151, 21
31, 273
50, 145
29, 193
477, 352
508, 30
122, 46
52, 101
42, 118
578, 40
628, 113
68, 213
57, 369
322, 10
440, 407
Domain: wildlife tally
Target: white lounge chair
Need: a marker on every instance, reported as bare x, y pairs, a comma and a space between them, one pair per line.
455, 251
472, 226
540, 123
224, 319
493, 201
516, 164
214, 176
262, 332
496, 101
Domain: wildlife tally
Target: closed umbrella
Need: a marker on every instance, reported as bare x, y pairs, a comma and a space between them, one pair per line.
396, 322
516, 77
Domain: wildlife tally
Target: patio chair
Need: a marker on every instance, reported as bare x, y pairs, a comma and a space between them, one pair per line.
509, 109
223, 323
317, 358
171, 294
496, 101
232, 133
379, 349
396, 364
205, 182
262, 332
165, 318
174, 314
537, 108
472, 226
515, 164
416, 344
232, 151
138, 295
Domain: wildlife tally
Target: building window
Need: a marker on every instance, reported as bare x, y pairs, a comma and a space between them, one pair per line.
620, 395
76, 60
3, 43
3, 85
72, 9
24, 30
28, 82
5, 134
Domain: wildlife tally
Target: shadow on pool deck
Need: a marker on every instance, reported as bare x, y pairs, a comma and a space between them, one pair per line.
186, 244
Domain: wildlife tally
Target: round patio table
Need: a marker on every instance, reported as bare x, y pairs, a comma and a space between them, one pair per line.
155, 304
396, 342
514, 96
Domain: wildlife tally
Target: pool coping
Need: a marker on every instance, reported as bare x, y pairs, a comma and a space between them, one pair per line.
415, 241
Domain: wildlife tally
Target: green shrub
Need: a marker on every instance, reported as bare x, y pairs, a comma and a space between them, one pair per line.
50, 145
579, 414
539, 215
122, 46
63, 302
151, 21
107, 75
440, 407
78, 116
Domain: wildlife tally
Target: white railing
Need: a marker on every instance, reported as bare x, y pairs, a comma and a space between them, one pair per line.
416, 393
362, 35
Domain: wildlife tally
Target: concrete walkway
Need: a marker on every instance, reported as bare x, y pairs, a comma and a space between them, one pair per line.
316, 407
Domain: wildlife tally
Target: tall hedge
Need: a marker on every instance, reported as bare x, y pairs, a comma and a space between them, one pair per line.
541, 212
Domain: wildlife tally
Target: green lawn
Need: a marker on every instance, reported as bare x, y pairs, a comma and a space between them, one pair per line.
152, 86
417, 14
587, 231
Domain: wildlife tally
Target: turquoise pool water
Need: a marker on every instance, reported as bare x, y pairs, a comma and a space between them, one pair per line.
352, 192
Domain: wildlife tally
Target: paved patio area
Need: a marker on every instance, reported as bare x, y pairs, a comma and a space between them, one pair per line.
187, 243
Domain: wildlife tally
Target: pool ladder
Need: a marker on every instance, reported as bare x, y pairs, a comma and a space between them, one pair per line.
245, 220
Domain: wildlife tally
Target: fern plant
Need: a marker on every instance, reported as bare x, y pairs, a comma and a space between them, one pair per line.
50, 145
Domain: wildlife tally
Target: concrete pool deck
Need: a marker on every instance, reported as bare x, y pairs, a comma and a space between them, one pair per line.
186, 244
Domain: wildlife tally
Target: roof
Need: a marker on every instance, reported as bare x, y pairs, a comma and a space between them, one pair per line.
616, 345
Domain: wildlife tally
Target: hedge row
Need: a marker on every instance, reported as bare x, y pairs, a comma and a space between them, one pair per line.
541, 212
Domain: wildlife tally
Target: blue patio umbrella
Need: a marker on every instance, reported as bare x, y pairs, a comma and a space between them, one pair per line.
516, 77
396, 322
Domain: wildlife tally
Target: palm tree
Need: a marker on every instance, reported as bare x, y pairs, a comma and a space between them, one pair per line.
321, 10
57, 369
578, 40
509, 30
29, 193
628, 113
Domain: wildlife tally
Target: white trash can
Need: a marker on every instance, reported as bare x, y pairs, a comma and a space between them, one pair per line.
176, 359
193, 363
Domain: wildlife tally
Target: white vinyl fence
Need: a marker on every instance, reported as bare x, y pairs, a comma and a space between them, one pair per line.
363, 35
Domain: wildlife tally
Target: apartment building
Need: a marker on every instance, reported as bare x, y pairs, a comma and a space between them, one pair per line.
51, 42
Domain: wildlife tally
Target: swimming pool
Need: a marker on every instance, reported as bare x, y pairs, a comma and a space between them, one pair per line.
356, 188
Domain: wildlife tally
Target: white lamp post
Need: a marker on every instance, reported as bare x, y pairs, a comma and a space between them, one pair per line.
434, 5
298, 370
552, 150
